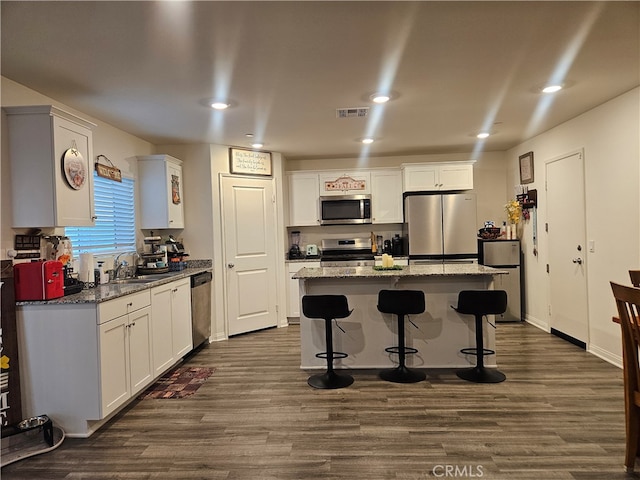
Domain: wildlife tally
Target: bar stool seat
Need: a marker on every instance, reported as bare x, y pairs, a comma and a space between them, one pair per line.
401, 303
328, 308
480, 303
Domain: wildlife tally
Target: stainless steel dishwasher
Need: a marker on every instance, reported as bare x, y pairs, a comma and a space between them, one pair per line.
201, 307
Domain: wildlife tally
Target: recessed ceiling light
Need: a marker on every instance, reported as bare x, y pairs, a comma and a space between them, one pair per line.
380, 98
552, 88
219, 105
367, 141
257, 145
482, 135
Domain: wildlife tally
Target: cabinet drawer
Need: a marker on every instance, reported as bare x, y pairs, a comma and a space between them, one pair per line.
123, 305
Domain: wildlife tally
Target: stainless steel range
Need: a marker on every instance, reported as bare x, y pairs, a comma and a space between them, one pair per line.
349, 252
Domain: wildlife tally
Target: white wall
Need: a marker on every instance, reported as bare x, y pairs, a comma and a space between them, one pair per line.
610, 137
117, 145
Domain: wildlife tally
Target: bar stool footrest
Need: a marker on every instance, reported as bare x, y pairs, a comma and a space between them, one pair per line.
396, 350
336, 355
474, 351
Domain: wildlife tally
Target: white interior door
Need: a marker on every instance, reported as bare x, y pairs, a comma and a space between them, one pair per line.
249, 220
567, 253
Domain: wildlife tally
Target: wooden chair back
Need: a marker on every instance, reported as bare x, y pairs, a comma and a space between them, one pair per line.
634, 275
628, 305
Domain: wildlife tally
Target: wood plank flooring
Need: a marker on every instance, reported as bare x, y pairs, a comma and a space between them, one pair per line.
559, 415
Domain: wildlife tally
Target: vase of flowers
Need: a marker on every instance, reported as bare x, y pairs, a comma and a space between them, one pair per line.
514, 212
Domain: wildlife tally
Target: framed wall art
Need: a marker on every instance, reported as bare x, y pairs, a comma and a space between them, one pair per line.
526, 168
249, 162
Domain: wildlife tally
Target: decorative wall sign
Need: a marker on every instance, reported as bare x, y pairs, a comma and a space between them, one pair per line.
344, 183
74, 167
106, 171
175, 189
249, 162
526, 168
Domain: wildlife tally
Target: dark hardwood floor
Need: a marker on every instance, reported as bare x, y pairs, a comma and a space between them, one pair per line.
559, 415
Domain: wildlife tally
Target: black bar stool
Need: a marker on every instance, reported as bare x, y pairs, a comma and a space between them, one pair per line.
401, 303
327, 307
480, 303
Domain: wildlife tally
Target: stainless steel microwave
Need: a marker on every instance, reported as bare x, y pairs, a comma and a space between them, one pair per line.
345, 209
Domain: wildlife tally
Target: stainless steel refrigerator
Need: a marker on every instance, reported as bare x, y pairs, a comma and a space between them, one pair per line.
440, 227
505, 255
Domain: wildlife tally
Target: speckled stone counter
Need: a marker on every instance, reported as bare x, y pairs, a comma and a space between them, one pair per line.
440, 270
109, 291
440, 334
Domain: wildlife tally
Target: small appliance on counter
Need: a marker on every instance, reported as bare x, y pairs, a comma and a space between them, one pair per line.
153, 259
176, 254
312, 251
41, 280
294, 251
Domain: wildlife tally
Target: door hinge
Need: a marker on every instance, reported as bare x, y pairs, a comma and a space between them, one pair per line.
549, 310
547, 268
546, 227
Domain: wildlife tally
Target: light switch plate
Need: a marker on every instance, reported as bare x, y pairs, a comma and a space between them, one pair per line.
592, 246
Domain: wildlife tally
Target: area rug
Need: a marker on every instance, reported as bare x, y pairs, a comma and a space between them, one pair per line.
178, 383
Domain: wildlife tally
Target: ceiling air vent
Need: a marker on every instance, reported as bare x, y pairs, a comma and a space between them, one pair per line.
352, 112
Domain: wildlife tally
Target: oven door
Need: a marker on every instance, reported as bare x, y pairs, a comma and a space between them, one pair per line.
345, 210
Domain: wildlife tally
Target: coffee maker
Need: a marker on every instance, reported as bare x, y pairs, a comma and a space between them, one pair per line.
294, 250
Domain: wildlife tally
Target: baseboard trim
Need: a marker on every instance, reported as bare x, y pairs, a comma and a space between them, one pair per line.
569, 338
615, 360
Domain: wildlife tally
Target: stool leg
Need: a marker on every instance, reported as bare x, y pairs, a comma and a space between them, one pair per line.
402, 374
480, 374
330, 379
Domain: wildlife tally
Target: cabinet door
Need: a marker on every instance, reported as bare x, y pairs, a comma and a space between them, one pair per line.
174, 197
114, 364
293, 287
161, 329
420, 178
456, 177
139, 336
345, 183
386, 196
181, 317
303, 199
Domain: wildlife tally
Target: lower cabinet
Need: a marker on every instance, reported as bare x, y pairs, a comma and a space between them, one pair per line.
171, 327
80, 363
293, 289
125, 358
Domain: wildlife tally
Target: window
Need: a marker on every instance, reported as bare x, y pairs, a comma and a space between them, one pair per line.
115, 228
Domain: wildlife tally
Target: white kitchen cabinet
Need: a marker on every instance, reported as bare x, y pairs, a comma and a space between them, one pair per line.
303, 199
171, 327
49, 188
160, 191
125, 358
386, 196
345, 183
438, 176
293, 289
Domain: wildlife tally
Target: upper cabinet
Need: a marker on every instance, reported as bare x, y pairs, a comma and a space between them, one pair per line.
438, 176
386, 196
345, 183
303, 199
160, 189
51, 155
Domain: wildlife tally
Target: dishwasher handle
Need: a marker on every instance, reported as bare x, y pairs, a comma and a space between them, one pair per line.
200, 279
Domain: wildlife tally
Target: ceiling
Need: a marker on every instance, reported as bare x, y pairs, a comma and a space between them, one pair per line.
454, 69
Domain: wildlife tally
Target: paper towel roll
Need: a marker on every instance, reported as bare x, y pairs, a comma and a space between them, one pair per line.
86, 273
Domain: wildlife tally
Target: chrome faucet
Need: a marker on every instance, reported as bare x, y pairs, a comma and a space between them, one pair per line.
117, 264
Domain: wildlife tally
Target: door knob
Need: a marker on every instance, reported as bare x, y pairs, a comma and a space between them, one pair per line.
230, 265
577, 260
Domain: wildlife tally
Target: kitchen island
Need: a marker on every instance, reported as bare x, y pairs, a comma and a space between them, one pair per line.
441, 331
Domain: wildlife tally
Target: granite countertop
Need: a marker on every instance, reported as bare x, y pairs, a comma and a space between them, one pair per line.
446, 269
109, 291
302, 260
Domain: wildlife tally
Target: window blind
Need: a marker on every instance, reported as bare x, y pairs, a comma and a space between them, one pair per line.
115, 227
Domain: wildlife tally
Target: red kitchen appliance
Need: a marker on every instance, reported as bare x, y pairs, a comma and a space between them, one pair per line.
42, 280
